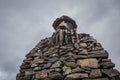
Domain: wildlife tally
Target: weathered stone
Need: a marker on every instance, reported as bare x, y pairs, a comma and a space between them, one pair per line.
83, 45
27, 60
77, 69
67, 70
48, 65
80, 56
98, 52
41, 74
29, 72
76, 51
92, 63
52, 60
37, 68
84, 52
34, 65
56, 64
57, 70
25, 66
106, 60
55, 76
98, 55
27, 77
71, 64
76, 76
110, 72
107, 65
87, 69
38, 61
70, 59
97, 79
95, 73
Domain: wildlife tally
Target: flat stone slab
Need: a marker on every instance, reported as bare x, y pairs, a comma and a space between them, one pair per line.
110, 72
76, 76
92, 63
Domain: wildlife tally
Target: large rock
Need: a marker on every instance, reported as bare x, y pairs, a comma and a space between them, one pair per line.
95, 73
110, 72
92, 63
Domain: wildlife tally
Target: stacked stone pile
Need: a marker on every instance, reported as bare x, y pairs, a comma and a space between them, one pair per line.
89, 62
68, 56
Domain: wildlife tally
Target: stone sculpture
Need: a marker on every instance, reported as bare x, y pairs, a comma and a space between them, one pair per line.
67, 56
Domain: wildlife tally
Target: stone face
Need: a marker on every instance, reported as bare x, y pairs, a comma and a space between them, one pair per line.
92, 63
67, 56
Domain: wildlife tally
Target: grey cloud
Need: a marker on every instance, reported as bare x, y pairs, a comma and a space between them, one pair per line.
23, 23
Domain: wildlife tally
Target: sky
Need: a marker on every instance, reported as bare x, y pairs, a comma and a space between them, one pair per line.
23, 23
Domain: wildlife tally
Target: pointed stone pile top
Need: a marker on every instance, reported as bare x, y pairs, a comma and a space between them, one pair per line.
68, 56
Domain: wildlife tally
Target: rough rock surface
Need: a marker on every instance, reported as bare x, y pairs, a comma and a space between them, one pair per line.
87, 61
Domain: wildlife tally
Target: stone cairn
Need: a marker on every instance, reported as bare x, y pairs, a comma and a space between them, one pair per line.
67, 56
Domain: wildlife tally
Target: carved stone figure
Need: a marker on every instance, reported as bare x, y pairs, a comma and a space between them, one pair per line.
65, 28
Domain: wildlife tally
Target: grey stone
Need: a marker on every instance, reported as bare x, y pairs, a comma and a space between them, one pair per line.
76, 76
107, 65
38, 61
25, 66
98, 55
95, 73
67, 70
77, 69
83, 51
56, 64
29, 72
48, 65
80, 56
41, 74
37, 68
110, 72
34, 65
52, 60
55, 76
97, 79
71, 64
92, 63
83, 45
27, 60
